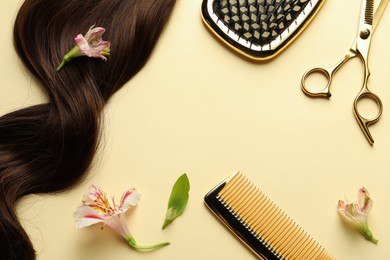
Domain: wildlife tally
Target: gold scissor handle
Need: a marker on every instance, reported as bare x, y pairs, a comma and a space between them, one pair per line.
364, 123
325, 92
328, 73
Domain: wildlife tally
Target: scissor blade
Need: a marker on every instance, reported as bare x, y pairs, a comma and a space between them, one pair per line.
378, 13
369, 12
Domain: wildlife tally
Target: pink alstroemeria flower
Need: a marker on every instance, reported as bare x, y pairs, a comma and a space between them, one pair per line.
90, 45
357, 213
96, 208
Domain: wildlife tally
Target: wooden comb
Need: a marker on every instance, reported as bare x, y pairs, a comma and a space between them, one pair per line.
258, 29
259, 223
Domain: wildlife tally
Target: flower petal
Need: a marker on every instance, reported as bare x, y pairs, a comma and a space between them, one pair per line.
85, 216
365, 202
359, 216
92, 44
343, 209
352, 213
129, 198
357, 213
118, 223
82, 43
94, 33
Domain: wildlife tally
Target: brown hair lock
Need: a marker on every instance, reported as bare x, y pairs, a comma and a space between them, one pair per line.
49, 147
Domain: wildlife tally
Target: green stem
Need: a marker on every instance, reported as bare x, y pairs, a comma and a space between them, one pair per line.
73, 53
61, 65
134, 244
368, 235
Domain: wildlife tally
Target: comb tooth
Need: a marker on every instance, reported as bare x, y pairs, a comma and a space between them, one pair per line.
237, 199
320, 253
224, 195
259, 218
279, 236
324, 255
293, 243
251, 219
284, 236
267, 220
232, 185
315, 251
251, 203
229, 185
310, 250
293, 235
329, 256
269, 233
286, 232
280, 245
275, 220
299, 247
306, 249
254, 219
230, 190
369, 13
277, 231
236, 187
261, 224
303, 246
238, 203
245, 201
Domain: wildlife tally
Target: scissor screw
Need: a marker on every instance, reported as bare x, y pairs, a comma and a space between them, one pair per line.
364, 34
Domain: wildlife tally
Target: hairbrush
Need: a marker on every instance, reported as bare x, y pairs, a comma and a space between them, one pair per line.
259, 223
258, 29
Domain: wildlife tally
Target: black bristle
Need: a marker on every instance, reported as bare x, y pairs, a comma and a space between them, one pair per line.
259, 21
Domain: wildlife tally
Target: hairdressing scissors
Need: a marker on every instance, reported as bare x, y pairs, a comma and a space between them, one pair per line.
360, 48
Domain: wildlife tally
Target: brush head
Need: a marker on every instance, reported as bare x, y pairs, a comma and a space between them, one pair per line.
258, 29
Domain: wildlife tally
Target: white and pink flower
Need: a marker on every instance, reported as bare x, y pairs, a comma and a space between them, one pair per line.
357, 213
96, 208
90, 45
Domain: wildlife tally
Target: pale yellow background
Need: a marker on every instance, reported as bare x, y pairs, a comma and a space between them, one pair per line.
198, 108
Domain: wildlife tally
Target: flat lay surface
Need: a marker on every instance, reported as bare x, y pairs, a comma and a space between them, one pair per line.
198, 108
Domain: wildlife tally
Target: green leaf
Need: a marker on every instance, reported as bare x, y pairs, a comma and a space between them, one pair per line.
178, 200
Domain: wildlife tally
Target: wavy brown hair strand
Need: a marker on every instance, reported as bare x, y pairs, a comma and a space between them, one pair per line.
49, 147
